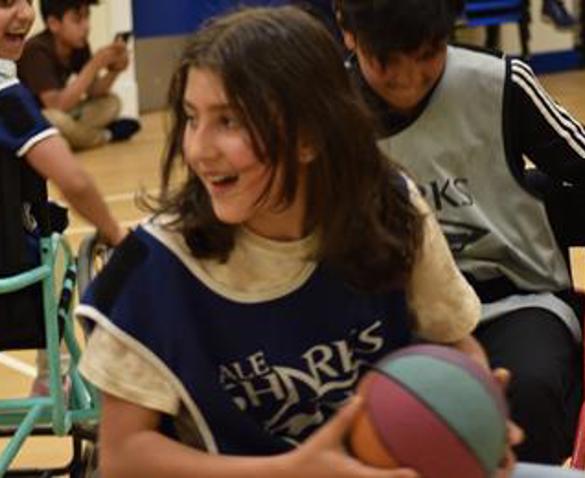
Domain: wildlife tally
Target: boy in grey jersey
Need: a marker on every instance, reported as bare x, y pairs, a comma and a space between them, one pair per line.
461, 122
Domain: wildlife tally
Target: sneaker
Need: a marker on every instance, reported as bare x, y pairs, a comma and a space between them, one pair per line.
555, 11
123, 129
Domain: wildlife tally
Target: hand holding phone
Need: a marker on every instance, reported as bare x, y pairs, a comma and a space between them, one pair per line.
119, 62
124, 36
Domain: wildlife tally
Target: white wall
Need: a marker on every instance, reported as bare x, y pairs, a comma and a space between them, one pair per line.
108, 18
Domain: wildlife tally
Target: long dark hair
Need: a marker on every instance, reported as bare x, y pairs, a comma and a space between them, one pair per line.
284, 75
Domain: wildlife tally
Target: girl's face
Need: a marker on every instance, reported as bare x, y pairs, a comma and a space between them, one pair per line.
16, 19
218, 148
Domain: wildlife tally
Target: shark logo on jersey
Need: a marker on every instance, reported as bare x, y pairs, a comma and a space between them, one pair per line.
460, 235
291, 401
447, 193
453, 194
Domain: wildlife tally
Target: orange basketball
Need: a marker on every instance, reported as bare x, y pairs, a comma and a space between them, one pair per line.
433, 409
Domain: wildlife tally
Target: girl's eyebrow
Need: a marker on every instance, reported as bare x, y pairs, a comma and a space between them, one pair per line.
215, 107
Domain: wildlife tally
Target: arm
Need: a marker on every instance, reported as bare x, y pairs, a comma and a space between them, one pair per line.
53, 159
87, 82
538, 127
447, 309
104, 83
130, 446
470, 346
445, 306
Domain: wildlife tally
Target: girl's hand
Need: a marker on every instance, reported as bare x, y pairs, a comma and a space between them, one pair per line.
515, 433
324, 455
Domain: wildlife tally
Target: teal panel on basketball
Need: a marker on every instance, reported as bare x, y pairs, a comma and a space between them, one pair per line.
457, 397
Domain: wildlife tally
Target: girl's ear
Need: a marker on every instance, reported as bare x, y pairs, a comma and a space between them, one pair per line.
348, 39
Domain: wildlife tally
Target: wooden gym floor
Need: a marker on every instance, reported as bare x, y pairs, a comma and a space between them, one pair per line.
122, 171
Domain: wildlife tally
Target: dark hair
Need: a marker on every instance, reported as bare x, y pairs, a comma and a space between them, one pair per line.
321, 10
279, 66
382, 27
58, 8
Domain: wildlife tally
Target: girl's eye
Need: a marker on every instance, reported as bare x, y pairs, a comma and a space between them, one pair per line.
9, 3
191, 120
230, 122
188, 114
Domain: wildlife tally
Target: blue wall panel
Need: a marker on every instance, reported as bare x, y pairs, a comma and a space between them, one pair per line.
179, 17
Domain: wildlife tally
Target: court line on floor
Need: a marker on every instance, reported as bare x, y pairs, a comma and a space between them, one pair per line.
127, 196
18, 365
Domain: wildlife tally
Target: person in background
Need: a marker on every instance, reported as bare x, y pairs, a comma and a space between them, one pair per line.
73, 85
28, 137
462, 121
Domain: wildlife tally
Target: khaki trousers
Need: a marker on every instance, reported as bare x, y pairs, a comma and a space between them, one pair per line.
84, 126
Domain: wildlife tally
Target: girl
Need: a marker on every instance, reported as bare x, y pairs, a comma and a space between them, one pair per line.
285, 254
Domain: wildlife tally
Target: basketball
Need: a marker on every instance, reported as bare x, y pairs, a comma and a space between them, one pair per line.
433, 409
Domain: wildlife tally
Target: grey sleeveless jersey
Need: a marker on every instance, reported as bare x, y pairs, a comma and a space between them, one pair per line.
455, 151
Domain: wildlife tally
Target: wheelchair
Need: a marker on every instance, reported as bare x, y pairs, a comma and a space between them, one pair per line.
37, 287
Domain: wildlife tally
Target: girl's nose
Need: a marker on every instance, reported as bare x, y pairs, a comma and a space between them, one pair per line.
198, 146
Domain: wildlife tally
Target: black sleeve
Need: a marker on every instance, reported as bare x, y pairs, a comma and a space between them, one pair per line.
538, 128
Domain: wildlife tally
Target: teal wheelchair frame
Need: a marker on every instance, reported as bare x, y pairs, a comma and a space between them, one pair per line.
75, 415
38, 273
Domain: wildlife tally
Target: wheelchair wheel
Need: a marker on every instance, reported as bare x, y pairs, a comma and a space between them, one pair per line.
87, 467
91, 258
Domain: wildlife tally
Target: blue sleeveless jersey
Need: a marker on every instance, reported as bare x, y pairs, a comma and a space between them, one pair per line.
22, 123
263, 376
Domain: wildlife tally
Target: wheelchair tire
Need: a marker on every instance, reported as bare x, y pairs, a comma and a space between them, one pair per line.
88, 465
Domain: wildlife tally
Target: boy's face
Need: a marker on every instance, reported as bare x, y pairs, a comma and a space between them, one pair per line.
406, 78
16, 19
73, 29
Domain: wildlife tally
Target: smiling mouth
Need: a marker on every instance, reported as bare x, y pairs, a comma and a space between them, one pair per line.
15, 36
223, 180
219, 183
